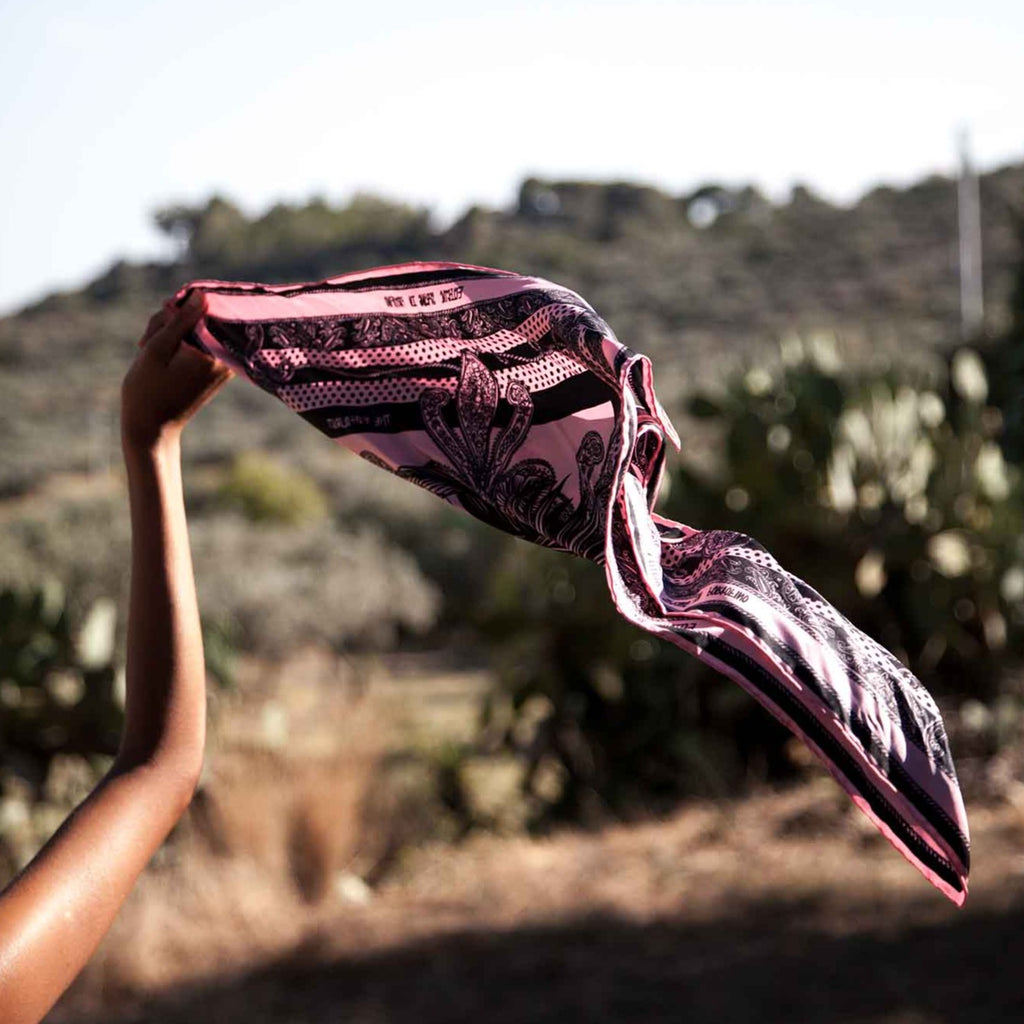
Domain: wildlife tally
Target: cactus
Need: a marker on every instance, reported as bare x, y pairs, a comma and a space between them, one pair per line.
58, 685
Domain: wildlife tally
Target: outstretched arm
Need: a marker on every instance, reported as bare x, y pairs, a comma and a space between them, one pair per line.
54, 914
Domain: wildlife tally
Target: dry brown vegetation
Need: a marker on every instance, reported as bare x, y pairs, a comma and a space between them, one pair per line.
784, 906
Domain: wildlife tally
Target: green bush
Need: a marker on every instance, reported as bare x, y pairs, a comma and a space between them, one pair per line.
58, 684
609, 720
885, 490
265, 490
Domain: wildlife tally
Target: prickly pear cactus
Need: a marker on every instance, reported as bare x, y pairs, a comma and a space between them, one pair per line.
58, 685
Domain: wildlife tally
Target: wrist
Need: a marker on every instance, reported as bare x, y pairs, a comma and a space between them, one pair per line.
152, 461
151, 447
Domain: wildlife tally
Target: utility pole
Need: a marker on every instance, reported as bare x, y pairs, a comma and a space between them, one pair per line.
972, 299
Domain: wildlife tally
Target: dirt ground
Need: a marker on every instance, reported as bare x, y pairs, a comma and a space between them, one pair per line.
778, 908
784, 906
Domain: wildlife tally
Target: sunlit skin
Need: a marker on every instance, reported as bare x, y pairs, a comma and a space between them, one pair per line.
54, 914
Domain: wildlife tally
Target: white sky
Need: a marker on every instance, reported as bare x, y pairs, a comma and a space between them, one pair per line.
112, 109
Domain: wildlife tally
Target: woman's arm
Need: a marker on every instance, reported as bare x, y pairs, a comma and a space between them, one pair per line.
55, 913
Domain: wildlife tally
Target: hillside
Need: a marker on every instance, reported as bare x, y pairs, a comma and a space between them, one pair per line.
882, 273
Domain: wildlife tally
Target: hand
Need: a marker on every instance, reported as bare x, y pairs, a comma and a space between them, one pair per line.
169, 381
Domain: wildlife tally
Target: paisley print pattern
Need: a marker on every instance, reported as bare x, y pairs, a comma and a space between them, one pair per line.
525, 498
511, 398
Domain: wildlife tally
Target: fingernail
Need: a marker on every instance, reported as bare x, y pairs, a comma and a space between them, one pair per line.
195, 301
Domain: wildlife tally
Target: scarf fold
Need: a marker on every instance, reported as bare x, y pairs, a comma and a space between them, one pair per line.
511, 398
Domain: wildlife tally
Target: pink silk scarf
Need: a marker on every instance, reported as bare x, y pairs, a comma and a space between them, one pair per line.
511, 398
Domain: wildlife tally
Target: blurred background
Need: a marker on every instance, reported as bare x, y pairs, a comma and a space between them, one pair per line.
444, 779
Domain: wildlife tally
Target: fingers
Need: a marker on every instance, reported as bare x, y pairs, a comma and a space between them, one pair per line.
156, 321
199, 375
164, 342
201, 368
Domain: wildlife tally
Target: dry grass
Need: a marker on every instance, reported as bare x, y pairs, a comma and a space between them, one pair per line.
722, 912
277, 824
762, 893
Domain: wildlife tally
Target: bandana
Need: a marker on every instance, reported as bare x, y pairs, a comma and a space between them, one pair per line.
509, 397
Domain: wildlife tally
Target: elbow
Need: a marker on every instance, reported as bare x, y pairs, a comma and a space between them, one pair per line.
180, 777
182, 788
171, 776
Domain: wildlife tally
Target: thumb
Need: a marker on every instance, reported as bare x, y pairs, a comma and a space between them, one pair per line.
166, 341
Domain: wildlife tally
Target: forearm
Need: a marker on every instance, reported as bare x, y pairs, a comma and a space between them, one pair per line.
165, 703
57, 911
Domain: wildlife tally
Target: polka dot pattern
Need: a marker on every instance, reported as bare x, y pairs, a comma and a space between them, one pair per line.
416, 353
544, 372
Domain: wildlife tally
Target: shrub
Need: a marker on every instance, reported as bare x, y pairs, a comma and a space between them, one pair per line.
609, 720
60, 712
282, 587
266, 490
887, 491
